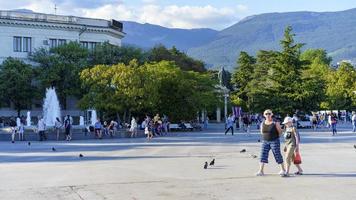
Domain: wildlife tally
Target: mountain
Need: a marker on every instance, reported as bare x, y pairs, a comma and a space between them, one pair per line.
333, 31
148, 35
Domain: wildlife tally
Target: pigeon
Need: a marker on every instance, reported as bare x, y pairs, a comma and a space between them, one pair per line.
81, 155
54, 149
243, 151
206, 165
258, 140
29, 143
355, 146
212, 163
253, 156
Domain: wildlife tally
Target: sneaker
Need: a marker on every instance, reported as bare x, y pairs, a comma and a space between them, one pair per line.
298, 173
283, 174
259, 174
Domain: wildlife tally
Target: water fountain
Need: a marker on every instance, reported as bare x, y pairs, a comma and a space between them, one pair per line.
81, 121
18, 121
28, 118
51, 108
93, 117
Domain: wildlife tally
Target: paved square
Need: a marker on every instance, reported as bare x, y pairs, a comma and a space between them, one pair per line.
172, 168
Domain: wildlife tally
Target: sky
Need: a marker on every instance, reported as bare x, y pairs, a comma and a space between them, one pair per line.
215, 14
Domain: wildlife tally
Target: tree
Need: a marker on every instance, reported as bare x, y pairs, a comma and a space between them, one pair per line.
16, 84
59, 67
340, 88
241, 77
149, 88
108, 54
186, 63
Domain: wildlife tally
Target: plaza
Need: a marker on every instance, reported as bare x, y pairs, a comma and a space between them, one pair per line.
171, 167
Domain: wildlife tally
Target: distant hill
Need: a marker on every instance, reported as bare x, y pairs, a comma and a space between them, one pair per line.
148, 35
333, 31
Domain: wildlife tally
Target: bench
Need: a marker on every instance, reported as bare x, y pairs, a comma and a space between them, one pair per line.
188, 126
174, 127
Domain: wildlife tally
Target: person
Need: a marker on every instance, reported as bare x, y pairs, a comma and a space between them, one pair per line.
67, 127
57, 127
106, 128
133, 127
148, 128
13, 129
165, 124
270, 132
41, 129
333, 123
206, 122
156, 122
353, 119
230, 124
98, 128
21, 130
314, 120
291, 147
112, 128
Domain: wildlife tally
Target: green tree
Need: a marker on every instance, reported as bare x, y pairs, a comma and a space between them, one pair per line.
186, 63
152, 87
59, 67
16, 84
340, 88
108, 54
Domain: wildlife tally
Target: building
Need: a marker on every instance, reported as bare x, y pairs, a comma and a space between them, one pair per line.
23, 32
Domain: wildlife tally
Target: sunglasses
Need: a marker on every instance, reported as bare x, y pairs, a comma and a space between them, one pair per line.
268, 114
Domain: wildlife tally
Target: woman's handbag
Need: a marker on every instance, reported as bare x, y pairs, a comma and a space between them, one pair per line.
297, 158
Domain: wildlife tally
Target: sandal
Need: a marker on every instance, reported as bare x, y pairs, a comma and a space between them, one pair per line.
259, 174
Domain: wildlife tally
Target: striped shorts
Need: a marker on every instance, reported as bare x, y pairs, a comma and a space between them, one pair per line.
276, 149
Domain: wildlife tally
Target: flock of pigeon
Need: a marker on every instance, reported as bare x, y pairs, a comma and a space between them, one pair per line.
212, 163
54, 149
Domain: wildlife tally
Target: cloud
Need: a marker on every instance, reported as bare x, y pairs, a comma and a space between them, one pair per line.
172, 16
150, 11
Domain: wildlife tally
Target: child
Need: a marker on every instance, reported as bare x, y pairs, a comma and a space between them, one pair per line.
291, 148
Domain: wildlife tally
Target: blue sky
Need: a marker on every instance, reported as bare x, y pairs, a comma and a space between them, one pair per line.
216, 14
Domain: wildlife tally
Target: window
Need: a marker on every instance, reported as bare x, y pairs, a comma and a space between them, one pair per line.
52, 43
84, 44
26, 44
17, 44
62, 42
92, 45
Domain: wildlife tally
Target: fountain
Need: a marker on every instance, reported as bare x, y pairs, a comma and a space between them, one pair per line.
28, 118
51, 109
81, 121
18, 122
93, 117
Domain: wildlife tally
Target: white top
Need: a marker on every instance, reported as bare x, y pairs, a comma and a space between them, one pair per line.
133, 123
354, 117
41, 125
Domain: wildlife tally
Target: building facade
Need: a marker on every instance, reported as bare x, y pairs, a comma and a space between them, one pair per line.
23, 32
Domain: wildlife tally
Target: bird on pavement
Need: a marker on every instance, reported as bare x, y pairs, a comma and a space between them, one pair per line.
54, 149
206, 165
212, 163
81, 155
355, 146
243, 151
253, 156
29, 143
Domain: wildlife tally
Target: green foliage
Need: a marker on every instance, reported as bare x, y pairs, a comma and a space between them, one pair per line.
107, 54
152, 87
15, 84
340, 88
186, 63
284, 80
60, 68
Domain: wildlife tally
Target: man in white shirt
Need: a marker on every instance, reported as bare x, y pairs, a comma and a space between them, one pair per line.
230, 124
41, 129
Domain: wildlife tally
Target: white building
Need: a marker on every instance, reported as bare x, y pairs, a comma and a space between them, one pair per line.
23, 32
